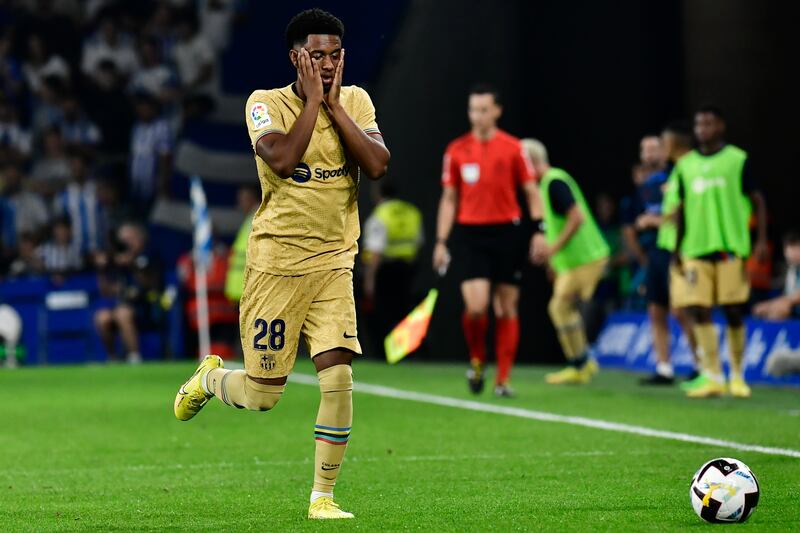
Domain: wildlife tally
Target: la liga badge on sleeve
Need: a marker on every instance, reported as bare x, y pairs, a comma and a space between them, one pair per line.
259, 112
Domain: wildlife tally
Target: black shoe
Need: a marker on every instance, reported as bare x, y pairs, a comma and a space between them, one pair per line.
503, 391
657, 379
475, 378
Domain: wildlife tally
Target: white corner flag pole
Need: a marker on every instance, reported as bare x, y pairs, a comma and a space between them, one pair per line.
202, 258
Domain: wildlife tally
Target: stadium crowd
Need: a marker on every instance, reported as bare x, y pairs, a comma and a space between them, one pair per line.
93, 96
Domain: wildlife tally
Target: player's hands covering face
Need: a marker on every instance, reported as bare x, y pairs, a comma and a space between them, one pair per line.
332, 98
310, 79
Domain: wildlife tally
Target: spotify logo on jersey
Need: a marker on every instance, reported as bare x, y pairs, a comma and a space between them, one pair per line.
302, 173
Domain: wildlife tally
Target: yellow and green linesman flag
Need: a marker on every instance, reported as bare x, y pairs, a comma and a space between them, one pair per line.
408, 334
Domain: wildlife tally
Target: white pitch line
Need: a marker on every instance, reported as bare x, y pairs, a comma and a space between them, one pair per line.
543, 416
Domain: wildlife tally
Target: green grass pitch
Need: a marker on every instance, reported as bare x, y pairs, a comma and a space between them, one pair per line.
97, 449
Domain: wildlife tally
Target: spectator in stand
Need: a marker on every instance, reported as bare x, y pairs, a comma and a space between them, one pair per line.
41, 64
15, 141
79, 202
76, 127
131, 277
216, 17
59, 256
22, 211
11, 76
108, 105
194, 57
160, 28
27, 262
113, 213
51, 170
787, 305
109, 43
154, 77
151, 154
46, 105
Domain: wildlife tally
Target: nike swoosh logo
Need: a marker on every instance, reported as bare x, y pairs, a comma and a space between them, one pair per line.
182, 390
346, 336
332, 468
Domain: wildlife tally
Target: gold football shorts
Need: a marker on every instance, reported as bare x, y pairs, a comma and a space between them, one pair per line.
580, 282
678, 289
710, 283
276, 310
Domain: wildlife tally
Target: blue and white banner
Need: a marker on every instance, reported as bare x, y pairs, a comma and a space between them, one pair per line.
626, 342
202, 224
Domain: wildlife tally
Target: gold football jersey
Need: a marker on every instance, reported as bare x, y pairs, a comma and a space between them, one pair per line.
308, 222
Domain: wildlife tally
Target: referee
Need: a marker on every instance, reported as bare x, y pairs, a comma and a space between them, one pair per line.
482, 172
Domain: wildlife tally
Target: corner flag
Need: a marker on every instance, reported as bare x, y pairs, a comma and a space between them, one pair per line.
409, 334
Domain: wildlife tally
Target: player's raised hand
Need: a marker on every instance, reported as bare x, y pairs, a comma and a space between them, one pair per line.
310, 79
332, 97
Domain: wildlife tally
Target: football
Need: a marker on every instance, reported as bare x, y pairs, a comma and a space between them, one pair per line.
724, 490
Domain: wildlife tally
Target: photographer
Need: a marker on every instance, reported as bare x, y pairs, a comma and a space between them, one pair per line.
130, 278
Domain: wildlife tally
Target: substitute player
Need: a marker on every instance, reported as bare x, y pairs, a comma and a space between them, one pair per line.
312, 139
480, 179
573, 246
663, 281
718, 193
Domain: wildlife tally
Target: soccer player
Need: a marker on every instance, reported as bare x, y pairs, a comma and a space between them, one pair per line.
312, 139
664, 283
482, 172
717, 193
573, 246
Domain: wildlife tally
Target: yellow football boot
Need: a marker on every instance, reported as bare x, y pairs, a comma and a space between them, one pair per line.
191, 397
568, 376
705, 387
739, 389
591, 368
324, 508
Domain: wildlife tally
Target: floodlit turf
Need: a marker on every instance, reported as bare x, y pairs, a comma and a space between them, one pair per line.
97, 449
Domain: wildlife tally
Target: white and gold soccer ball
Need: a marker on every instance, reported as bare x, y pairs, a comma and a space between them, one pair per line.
724, 490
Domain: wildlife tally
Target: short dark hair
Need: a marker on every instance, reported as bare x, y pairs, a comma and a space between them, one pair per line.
485, 88
711, 109
791, 237
682, 129
312, 22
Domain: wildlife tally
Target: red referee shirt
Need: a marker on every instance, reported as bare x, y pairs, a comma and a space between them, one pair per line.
486, 175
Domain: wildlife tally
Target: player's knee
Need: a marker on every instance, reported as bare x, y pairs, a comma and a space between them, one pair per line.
734, 314
103, 319
699, 315
337, 378
123, 314
557, 308
261, 397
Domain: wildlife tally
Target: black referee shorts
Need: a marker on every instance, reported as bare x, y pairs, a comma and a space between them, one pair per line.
493, 251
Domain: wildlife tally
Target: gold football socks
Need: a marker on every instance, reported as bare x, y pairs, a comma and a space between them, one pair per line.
235, 389
332, 429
